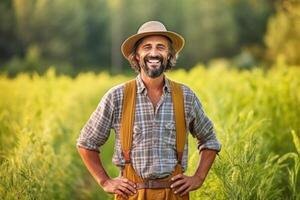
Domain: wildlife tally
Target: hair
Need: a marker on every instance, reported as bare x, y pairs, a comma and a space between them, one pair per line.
171, 61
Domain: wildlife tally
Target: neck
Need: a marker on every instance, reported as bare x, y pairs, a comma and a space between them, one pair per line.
153, 84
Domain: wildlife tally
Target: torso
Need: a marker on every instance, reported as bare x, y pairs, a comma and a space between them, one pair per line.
154, 97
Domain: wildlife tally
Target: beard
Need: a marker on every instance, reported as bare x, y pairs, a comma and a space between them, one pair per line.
153, 66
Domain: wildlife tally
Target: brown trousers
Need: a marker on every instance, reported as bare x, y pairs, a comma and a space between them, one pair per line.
151, 194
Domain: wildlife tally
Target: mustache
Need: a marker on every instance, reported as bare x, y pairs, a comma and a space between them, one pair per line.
158, 57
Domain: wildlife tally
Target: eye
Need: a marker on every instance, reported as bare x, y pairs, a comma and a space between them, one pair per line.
161, 47
146, 47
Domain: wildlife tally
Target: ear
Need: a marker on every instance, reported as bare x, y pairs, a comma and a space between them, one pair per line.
137, 57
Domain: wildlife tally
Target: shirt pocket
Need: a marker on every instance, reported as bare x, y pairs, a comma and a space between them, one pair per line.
137, 136
169, 138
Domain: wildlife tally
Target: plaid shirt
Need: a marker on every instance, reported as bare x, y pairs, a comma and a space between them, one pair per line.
153, 151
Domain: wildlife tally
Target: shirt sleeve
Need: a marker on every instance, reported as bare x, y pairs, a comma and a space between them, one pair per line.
97, 129
202, 128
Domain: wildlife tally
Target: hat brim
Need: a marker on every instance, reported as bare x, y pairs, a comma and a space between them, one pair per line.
128, 44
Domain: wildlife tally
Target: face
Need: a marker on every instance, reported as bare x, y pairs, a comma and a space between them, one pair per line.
152, 55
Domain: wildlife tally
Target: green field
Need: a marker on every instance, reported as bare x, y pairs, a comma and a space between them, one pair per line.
256, 116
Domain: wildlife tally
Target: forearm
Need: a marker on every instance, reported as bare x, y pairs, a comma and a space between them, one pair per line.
207, 158
93, 163
184, 184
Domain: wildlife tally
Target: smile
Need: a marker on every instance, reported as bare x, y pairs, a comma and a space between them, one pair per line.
153, 61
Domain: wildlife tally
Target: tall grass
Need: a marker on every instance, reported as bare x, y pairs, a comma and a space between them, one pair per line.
255, 113
256, 116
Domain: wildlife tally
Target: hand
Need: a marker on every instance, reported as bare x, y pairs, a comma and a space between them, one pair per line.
120, 185
184, 184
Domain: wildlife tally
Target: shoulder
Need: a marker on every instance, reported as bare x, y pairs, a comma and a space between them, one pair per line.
188, 93
116, 90
190, 96
114, 95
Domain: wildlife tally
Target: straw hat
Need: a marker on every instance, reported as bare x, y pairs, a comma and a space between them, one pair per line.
152, 28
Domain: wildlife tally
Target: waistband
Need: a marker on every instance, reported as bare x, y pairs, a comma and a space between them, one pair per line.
154, 184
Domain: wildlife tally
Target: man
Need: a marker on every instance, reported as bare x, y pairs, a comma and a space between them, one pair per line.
150, 124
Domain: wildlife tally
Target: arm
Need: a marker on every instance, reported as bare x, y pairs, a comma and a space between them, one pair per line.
119, 185
93, 163
200, 127
207, 158
93, 135
184, 184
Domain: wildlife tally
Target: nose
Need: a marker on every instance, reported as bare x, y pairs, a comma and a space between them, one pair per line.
153, 52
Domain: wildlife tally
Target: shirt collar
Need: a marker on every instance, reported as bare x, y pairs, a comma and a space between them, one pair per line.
142, 88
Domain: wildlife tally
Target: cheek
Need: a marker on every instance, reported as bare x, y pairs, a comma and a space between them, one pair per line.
139, 57
165, 54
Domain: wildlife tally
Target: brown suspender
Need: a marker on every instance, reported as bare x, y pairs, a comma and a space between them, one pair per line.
178, 106
128, 113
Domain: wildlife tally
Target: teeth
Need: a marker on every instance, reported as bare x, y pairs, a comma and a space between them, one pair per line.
153, 61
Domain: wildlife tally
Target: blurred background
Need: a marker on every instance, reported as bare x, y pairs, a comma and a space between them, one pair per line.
75, 36
59, 57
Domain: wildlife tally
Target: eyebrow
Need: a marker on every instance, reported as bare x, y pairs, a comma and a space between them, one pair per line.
159, 44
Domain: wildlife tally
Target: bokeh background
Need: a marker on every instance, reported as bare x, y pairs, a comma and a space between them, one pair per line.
75, 36
59, 57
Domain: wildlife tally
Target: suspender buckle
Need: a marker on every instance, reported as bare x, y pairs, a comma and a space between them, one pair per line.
127, 156
179, 157
127, 161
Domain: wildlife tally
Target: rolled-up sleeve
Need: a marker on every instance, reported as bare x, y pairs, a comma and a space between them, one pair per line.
97, 129
202, 128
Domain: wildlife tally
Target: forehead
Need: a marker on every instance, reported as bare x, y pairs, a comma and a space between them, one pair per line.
155, 39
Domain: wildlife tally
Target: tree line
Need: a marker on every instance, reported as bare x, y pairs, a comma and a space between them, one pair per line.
85, 35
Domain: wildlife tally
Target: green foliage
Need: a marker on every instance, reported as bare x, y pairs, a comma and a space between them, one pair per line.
283, 34
38, 132
293, 172
49, 27
34, 63
214, 32
85, 34
255, 115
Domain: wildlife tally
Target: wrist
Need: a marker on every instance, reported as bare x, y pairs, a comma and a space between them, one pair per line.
199, 177
102, 181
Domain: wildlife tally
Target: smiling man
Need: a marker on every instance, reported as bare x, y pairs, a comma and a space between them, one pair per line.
151, 117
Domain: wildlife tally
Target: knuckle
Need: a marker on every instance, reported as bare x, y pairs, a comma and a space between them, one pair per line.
132, 183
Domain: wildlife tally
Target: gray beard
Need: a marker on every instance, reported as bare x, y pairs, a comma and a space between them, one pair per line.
153, 73
156, 72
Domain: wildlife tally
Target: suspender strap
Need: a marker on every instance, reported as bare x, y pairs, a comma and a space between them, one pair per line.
128, 113
178, 106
